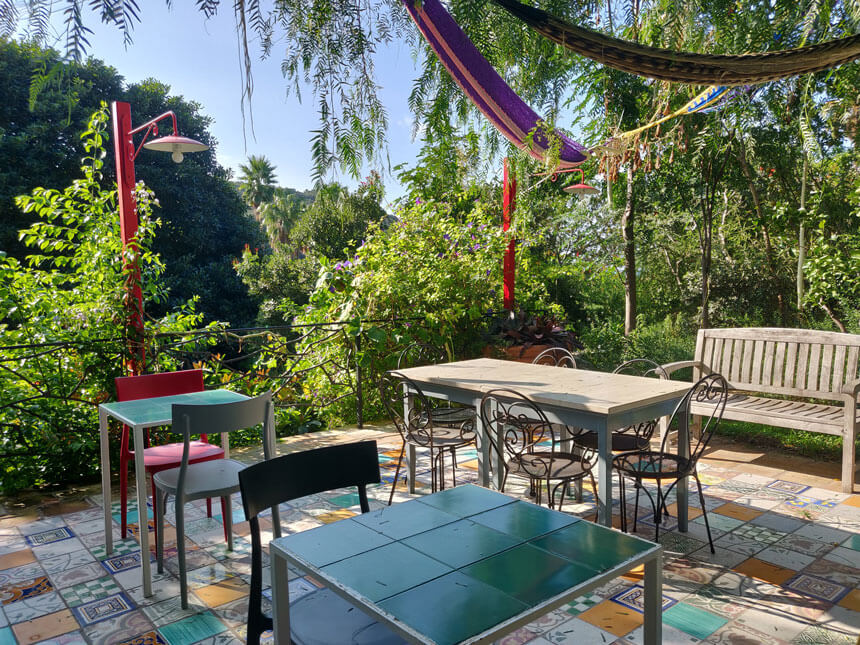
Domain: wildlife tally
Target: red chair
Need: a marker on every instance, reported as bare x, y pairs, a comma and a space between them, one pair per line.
164, 457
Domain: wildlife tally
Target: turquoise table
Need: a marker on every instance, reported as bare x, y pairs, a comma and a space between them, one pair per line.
139, 415
464, 565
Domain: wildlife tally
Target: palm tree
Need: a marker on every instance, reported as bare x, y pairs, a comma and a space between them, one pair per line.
257, 182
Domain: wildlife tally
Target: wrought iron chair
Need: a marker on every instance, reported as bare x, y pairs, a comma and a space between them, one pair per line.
165, 456
555, 357
637, 436
321, 616
660, 465
530, 446
401, 396
445, 413
217, 478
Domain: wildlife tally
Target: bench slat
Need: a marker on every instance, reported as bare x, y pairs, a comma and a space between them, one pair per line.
758, 357
791, 366
811, 380
839, 368
825, 373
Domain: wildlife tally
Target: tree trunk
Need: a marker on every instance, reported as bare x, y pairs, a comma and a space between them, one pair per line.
627, 228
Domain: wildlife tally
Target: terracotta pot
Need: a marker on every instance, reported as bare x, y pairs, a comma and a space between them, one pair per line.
524, 354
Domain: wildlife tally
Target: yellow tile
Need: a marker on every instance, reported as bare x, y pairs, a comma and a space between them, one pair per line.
635, 574
854, 500
692, 511
45, 627
334, 516
16, 559
755, 568
612, 617
222, 592
851, 600
738, 512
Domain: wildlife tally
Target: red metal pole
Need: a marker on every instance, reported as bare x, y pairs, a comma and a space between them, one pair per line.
124, 155
509, 203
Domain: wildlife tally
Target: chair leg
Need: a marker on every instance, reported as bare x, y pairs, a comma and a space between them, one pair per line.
144, 522
208, 507
622, 502
638, 486
396, 473
704, 511
180, 551
123, 498
160, 504
227, 520
594, 488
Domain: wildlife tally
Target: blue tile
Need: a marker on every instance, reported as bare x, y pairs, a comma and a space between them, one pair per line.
6, 637
192, 629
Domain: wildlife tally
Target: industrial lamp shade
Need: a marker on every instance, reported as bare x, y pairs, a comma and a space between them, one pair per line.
581, 188
177, 145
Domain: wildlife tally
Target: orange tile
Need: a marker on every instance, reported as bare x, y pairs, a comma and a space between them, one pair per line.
853, 500
765, 571
334, 516
692, 511
16, 559
635, 574
852, 600
222, 592
40, 629
472, 464
612, 617
738, 512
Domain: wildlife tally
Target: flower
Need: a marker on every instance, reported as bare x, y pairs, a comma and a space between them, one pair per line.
446, 237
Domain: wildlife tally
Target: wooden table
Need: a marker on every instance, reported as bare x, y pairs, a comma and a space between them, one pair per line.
596, 401
464, 565
139, 415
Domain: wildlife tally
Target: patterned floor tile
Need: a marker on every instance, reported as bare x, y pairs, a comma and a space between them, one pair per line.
719, 522
818, 635
759, 533
222, 592
89, 591
582, 603
118, 628
842, 555
671, 636
120, 547
839, 573
735, 633
634, 598
22, 590
785, 557
149, 638
816, 587
576, 631
787, 487
678, 543
30, 608
103, 608
717, 601
16, 559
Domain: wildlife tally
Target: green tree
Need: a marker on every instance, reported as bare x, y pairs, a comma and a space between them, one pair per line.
257, 181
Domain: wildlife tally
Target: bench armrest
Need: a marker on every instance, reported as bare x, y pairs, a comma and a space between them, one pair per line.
679, 365
851, 388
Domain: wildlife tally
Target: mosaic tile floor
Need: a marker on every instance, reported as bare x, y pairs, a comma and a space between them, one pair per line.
787, 567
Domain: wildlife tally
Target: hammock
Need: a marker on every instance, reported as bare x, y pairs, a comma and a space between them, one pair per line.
486, 89
686, 67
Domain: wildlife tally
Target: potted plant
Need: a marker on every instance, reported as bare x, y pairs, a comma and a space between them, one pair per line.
527, 335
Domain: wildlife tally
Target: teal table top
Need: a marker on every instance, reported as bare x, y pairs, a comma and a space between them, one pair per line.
146, 413
457, 563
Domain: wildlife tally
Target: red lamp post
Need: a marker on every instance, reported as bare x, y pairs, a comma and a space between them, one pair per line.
125, 154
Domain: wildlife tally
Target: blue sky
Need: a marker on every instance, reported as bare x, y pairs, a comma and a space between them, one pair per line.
199, 59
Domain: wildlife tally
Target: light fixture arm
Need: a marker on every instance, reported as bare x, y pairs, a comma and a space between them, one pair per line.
151, 127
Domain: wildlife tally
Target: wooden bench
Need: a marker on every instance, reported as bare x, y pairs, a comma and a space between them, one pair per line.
802, 367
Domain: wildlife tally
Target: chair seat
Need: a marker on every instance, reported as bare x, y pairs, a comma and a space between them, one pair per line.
621, 441
442, 438
214, 478
171, 454
324, 618
652, 464
564, 465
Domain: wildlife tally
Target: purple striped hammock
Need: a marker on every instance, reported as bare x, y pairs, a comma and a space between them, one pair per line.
486, 89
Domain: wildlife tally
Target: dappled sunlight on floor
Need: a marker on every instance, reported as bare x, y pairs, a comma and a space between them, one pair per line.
786, 569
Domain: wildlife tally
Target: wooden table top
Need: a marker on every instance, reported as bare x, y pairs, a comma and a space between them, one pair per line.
598, 392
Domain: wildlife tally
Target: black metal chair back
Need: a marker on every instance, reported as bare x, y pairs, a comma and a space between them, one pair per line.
639, 434
270, 483
712, 390
394, 390
419, 354
555, 357
528, 444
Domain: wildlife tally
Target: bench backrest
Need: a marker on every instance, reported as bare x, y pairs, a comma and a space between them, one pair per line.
799, 362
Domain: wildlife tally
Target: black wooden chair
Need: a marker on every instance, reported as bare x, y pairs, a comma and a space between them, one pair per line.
660, 465
530, 446
422, 429
270, 483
